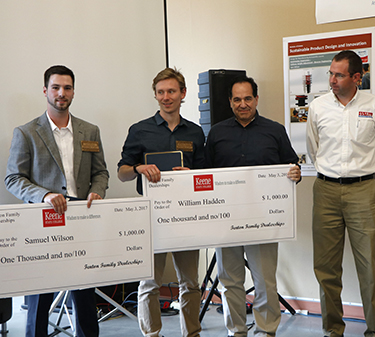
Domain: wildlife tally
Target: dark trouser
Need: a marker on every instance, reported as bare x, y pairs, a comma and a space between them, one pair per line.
85, 310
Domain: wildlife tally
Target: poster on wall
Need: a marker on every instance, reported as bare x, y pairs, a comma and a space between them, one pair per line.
306, 64
342, 10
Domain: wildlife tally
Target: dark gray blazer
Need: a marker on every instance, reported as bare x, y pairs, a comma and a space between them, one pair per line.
35, 167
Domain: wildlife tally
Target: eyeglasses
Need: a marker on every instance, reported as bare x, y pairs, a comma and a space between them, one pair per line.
338, 75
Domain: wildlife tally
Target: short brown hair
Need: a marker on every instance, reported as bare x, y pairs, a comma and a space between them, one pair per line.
57, 70
355, 62
168, 73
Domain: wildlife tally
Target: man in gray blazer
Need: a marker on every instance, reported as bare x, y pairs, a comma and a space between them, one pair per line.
53, 157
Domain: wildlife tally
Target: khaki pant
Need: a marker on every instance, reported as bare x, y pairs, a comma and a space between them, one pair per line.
262, 260
336, 208
149, 314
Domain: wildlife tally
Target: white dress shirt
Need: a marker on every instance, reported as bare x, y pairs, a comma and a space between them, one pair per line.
341, 139
64, 141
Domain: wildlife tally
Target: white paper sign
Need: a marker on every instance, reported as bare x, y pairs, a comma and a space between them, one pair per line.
222, 207
342, 10
40, 251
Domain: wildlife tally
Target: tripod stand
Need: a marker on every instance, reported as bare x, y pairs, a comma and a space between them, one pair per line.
213, 291
117, 306
63, 297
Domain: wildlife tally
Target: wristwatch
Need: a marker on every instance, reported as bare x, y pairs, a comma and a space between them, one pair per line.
135, 168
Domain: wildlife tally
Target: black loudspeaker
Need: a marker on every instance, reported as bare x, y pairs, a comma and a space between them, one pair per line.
219, 84
213, 94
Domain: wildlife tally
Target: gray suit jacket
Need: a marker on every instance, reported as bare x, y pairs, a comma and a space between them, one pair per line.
35, 167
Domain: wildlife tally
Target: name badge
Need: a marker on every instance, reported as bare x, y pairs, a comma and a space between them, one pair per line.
183, 145
89, 146
365, 114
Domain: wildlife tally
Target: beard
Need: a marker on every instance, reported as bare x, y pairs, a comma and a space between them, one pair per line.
59, 106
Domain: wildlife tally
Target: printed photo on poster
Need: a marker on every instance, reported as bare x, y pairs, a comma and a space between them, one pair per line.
306, 76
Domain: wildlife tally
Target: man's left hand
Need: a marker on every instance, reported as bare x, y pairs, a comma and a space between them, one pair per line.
294, 173
91, 197
180, 168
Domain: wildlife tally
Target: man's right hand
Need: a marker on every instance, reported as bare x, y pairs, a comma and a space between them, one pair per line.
151, 172
57, 201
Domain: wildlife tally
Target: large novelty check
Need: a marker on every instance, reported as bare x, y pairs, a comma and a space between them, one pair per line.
40, 251
222, 207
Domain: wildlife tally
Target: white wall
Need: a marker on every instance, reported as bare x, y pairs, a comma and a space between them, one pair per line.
115, 48
247, 34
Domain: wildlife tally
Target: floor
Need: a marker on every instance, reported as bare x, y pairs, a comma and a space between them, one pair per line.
212, 325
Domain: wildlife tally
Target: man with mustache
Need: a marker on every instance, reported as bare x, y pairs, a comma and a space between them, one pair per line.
248, 139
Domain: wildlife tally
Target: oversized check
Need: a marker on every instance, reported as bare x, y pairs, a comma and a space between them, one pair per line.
222, 207
40, 251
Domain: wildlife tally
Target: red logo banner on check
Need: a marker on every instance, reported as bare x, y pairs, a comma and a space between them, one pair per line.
203, 182
52, 219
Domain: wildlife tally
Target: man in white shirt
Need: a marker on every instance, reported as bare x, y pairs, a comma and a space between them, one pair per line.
52, 157
341, 144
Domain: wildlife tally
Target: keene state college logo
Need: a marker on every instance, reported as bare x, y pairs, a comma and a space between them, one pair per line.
203, 182
52, 219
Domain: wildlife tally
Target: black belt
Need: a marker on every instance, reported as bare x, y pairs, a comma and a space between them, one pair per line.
346, 181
